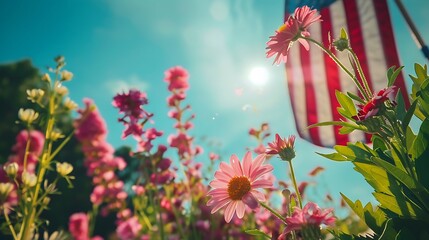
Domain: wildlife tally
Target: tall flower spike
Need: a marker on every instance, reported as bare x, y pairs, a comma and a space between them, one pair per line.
235, 185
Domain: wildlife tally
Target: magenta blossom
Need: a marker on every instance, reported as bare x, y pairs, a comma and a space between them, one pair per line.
372, 107
129, 229
78, 226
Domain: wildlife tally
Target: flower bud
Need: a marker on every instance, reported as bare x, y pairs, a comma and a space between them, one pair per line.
343, 42
46, 78
64, 168
55, 135
66, 76
29, 179
5, 189
27, 115
11, 169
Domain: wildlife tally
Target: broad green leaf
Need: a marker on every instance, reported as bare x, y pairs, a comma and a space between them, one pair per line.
376, 177
420, 153
373, 217
397, 205
378, 143
346, 130
346, 103
257, 232
407, 118
392, 74
409, 138
416, 188
354, 152
400, 107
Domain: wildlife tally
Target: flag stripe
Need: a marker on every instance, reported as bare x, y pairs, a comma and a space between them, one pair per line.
332, 77
321, 90
297, 92
388, 43
309, 94
313, 76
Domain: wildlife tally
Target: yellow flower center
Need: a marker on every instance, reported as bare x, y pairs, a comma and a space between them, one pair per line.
238, 187
282, 28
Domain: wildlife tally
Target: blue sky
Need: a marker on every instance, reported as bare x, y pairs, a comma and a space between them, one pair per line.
113, 45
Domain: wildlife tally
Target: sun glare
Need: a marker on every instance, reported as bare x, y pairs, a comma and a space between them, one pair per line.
258, 76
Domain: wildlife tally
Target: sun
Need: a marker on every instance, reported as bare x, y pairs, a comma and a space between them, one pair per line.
258, 76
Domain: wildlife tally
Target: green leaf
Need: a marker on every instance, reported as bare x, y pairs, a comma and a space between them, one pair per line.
355, 97
409, 139
334, 156
397, 205
346, 103
420, 153
346, 130
373, 217
339, 123
392, 74
400, 107
257, 232
407, 118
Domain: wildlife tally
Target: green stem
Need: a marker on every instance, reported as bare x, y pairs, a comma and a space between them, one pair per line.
273, 212
27, 148
6, 216
337, 61
360, 71
57, 150
295, 185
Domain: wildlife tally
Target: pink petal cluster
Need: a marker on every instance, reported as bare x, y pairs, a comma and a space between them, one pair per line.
372, 107
236, 185
100, 161
310, 215
177, 78
128, 229
294, 28
79, 227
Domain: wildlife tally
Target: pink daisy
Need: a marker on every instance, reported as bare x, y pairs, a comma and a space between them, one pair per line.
283, 147
293, 29
235, 185
310, 215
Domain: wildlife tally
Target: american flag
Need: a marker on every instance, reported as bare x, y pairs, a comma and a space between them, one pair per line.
312, 76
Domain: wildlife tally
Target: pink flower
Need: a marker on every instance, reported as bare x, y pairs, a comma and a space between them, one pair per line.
283, 147
37, 140
182, 142
91, 125
310, 215
131, 103
129, 229
213, 156
372, 107
294, 28
177, 78
235, 185
78, 226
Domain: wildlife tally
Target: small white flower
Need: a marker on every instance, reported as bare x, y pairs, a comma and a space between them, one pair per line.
35, 95
66, 76
29, 179
46, 78
64, 168
27, 115
5, 189
70, 104
11, 169
61, 90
